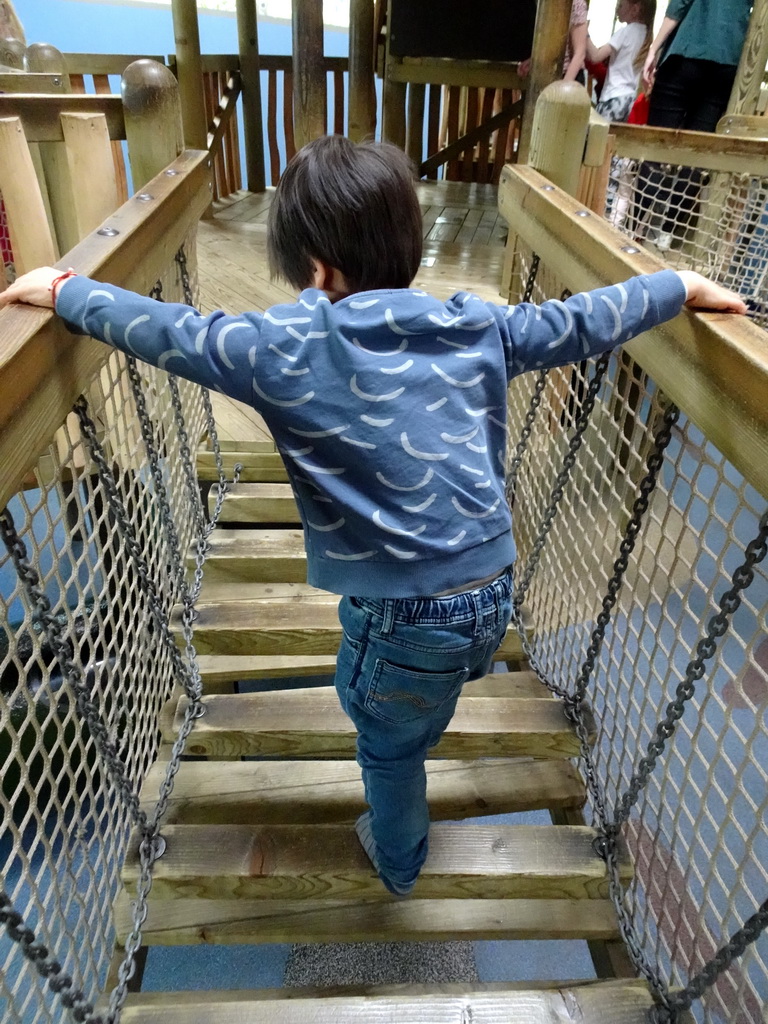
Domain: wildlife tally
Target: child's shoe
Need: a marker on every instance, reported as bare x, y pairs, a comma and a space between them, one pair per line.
365, 835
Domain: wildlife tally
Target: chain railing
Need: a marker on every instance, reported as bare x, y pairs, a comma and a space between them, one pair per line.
96, 562
641, 564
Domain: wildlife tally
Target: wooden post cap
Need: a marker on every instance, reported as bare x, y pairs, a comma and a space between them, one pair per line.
559, 134
146, 85
46, 59
12, 52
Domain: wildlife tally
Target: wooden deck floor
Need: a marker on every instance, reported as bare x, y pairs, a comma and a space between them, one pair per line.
463, 250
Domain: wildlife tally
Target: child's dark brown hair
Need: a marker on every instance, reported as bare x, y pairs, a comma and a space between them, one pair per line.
349, 205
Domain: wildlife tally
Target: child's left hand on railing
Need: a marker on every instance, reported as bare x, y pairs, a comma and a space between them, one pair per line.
37, 288
705, 294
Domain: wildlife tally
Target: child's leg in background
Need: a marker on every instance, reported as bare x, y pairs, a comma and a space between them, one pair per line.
399, 674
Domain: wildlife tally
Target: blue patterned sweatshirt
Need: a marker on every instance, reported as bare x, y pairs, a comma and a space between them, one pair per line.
388, 407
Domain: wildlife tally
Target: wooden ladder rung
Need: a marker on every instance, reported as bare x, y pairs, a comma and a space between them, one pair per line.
297, 723
306, 792
192, 921
311, 861
257, 503
285, 626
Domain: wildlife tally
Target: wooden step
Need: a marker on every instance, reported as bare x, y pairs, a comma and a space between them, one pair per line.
258, 503
266, 466
296, 793
255, 556
268, 625
600, 1002
305, 862
227, 670
231, 922
297, 723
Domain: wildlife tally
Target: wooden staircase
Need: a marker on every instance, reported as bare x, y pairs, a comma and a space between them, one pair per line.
263, 851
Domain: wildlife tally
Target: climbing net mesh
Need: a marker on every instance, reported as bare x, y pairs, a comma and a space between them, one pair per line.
699, 833
63, 824
709, 221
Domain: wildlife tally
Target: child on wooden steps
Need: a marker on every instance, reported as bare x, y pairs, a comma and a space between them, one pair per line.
389, 408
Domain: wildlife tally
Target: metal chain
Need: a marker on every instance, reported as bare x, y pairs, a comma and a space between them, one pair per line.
561, 480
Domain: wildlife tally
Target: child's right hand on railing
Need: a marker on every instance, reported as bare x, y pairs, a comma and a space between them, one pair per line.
37, 288
705, 294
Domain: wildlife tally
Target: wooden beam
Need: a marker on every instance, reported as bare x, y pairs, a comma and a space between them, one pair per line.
153, 120
258, 467
713, 365
754, 56
31, 239
250, 76
104, 63
190, 72
34, 83
362, 91
712, 152
192, 922
40, 114
595, 1002
550, 35
42, 367
295, 793
294, 723
227, 110
296, 861
309, 92
482, 131
475, 74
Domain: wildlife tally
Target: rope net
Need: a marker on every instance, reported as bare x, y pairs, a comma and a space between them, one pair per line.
699, 832
712, 222
64, 824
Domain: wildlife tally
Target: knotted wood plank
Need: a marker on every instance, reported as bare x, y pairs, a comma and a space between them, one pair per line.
311, 862
295, 793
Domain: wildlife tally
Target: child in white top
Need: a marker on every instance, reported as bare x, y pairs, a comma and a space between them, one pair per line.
625, 52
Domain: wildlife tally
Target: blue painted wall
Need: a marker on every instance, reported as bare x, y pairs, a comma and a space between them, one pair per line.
79, 26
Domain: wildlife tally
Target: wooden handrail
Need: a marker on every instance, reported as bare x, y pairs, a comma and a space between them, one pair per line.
103, 63
42, 368
714, 366
708, 151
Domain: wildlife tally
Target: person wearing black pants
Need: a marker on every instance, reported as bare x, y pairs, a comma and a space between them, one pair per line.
691, 67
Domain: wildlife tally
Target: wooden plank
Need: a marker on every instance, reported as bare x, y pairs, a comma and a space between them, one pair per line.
258, 503
102, 87
299, 862
713, 365
262, 556
40, 115
222, 669
292, 723
87, 185
309, 71
295, 793
227, 922
104, 63
734, 153
284, 627
38, 82
447, 71
262, 467
42, 367
30, 234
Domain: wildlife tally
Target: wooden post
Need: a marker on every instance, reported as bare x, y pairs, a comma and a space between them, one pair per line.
12, 52
749, 77
550, 35
558, 141
559, 134
189, 68
308, 72
153, 125
393, 102
250, 78
362, 91
46, 59
416, 101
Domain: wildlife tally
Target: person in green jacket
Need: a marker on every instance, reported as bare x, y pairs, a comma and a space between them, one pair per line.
690, 68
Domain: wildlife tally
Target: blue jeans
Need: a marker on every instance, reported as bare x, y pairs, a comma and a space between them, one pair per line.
400, 670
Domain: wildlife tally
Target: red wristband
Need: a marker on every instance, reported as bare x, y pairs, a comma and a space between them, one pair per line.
57, 281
